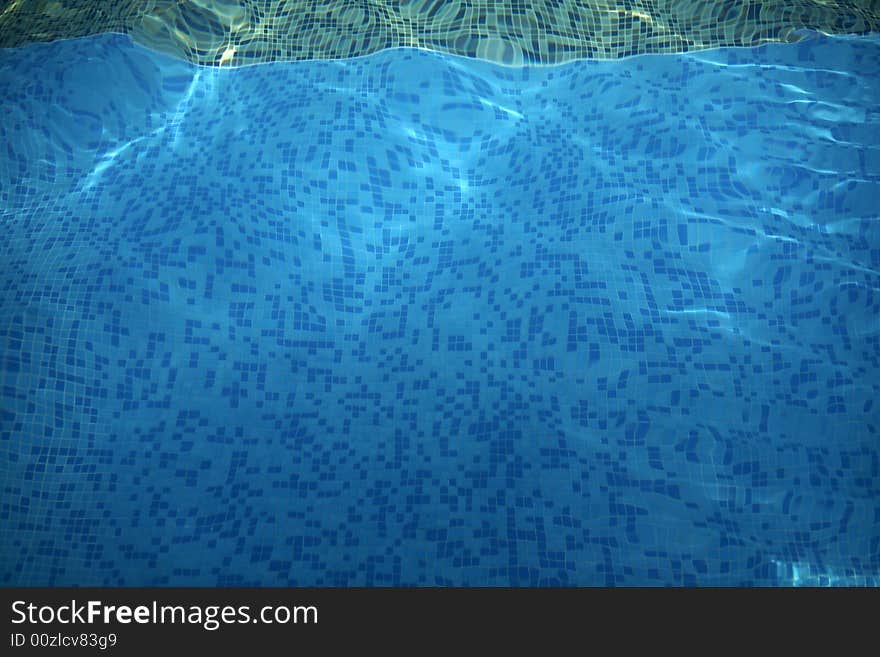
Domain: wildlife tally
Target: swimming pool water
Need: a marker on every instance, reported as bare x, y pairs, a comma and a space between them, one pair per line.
413, 319
241, 32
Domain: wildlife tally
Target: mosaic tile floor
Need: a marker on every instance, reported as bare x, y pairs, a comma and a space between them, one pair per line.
419, 319
237, 32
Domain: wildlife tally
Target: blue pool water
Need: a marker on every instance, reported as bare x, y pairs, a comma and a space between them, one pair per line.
415, 319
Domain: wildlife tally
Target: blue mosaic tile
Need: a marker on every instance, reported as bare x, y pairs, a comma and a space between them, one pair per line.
412, 319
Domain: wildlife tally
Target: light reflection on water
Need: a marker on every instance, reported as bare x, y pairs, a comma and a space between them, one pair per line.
234, 33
